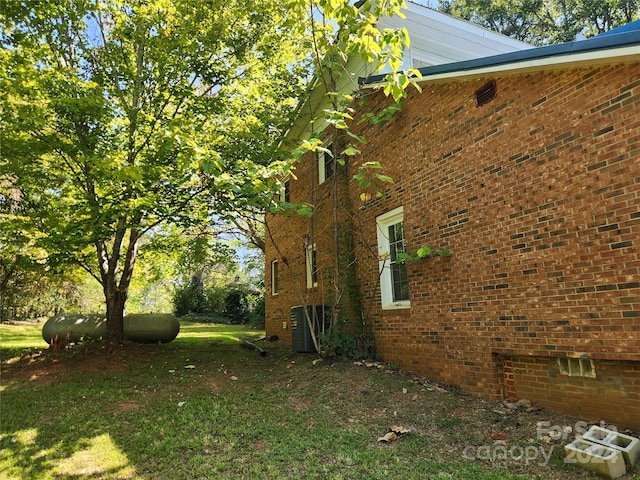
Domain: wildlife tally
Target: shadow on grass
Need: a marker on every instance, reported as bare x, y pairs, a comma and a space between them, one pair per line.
202, 407
93, 413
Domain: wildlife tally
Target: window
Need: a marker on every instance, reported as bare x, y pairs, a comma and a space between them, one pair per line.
284, 195
394, 279
577, 367
325, 164
274, 277
287, 191
312, 267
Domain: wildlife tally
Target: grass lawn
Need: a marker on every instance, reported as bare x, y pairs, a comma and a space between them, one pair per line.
202, 407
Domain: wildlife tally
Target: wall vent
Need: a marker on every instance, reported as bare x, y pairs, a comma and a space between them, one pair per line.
486, 93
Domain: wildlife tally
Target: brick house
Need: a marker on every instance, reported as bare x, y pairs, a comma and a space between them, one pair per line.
525, 166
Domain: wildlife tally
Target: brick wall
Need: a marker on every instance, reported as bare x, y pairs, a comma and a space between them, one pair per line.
613, 396
287, 239
537, 197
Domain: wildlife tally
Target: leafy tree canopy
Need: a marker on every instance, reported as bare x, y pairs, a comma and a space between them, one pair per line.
119, 116
542, 22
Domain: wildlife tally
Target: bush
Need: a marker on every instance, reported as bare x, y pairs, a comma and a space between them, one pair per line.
257, 317
235, 304
190, 298
236, 307
216, 297
348, 346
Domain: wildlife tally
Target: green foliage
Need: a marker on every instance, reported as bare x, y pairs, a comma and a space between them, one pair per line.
119, 116
190, 298
30, 291
542, 22
343, 36
232, 303
384, 115
340, 33
236, 307
123, 117
422, 252
257, 318
348, 345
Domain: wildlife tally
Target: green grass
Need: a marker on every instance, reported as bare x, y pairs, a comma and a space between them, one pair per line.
21, 336
136, 412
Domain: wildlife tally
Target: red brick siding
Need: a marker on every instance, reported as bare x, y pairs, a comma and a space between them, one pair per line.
286, 240
613, 394
536, 195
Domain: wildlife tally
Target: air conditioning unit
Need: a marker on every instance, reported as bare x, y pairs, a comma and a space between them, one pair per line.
301, 339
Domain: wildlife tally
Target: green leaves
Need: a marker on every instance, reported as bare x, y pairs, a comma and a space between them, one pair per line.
122, 115
543, 22
421, 253
428, 251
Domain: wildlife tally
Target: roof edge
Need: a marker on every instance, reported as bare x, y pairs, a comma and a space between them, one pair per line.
526, 58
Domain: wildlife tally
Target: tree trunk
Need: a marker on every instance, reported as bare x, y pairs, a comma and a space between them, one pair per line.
115, 315
116, 292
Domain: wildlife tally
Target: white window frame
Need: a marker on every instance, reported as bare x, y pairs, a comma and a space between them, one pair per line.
322, 174
309, 257
383, 222
274, 277
281, 195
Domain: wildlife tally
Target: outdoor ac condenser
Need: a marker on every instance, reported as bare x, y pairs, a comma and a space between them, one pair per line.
301, 339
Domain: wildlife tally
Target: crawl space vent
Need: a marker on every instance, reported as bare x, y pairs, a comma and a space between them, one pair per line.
486, 93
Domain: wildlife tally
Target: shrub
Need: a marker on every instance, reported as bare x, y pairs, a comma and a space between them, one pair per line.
190, 298
234, 304
237, 307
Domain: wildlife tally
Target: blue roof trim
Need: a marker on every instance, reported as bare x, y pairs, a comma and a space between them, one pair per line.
599, 42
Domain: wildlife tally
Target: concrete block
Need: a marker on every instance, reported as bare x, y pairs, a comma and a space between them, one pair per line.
629, 446
595, 457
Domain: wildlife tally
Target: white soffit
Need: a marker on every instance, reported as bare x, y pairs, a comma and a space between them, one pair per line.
443, 38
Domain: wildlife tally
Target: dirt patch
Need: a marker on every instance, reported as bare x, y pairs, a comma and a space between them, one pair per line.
127, 406
298, 405
260, 446
50, 366
213, 385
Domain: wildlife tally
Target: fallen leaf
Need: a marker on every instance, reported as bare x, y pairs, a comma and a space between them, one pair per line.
189, 366
404, 391
388, 438
415, 397
498, 435
435, 388
180, 404
316, 361
399, 430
